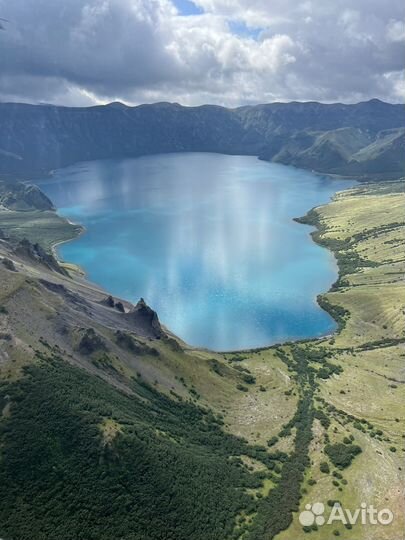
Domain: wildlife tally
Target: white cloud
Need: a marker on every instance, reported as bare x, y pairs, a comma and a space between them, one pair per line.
84, 51
396, 31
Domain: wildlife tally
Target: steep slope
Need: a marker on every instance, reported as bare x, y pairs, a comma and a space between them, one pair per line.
23, 197
110, 427
36, 139
386, 153
92, 446
324, 150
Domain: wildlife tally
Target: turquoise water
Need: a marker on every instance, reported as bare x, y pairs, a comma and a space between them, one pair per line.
207, 239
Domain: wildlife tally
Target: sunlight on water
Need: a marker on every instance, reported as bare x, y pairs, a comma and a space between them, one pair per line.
208, 240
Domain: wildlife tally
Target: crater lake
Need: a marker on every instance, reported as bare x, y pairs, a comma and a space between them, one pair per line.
208, 240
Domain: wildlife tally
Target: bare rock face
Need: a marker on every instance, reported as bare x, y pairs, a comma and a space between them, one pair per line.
91, 342
36, 253
110, 302
128, 343
125, 341
144, 320
23, 197
120, 307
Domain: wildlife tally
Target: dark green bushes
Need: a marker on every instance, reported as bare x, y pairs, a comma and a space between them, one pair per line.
324, 467
341, 455
166, 475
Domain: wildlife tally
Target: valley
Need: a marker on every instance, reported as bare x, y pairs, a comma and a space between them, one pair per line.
111, 427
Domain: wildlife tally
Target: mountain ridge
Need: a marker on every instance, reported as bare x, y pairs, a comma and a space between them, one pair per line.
35, 139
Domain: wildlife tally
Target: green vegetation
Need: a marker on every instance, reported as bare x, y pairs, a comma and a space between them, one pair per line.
275, 511
341, 455
271, 442
324, 467
44, 227
150, 477
364, 140
107, 434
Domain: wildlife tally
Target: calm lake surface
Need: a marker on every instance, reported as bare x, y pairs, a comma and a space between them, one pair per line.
207, 239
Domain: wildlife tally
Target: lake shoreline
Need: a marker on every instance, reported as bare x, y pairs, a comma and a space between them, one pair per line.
79, 231
74, 267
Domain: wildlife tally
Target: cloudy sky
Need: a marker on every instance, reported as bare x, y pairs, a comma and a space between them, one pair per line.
230, 52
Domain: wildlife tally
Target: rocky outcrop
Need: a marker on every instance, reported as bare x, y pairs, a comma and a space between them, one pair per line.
91, 342
23, 197
120, 307
144, 320
109, 301
72, 298
35, 253
127, 342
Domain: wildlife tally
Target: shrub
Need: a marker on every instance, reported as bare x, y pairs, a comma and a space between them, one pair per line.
324, 467
341, 455
272, 441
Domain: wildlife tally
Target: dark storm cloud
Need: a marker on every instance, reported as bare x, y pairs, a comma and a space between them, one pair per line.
84, 51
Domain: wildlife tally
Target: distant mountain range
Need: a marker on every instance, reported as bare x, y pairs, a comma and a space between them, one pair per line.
366, 140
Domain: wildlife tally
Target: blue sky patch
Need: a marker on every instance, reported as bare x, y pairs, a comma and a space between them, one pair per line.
187, 7
241, 29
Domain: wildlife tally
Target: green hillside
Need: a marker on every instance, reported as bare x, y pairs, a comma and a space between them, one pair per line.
110, 427
363, 139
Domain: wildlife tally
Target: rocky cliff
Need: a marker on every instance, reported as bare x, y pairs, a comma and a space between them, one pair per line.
364, 139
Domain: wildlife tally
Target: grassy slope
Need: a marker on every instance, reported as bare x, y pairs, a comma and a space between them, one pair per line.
44, 227
365, 227
148, 459
371, 386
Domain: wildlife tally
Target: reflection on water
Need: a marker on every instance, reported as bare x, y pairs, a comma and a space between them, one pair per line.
208, 240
